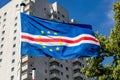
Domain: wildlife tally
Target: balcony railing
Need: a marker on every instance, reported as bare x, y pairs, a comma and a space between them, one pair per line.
77, 67
53, 59
54, 67
54, 75
78, 74
24, 58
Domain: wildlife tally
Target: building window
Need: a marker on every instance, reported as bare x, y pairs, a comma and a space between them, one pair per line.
16, 18
25, 0
12, 77
1, 45
17, 6
61, 65
1, 53
13, 53
45, 71
2, 39
61, 73
58, 12
82, 65
15, 31
3, 32
55, 16
31, 65
58, 18
67, 68
14, 45
15, 24
0, 60
4, 20
5, 13
63, 16
3, 25
31, 57
67, 76
45, 78
12, 69
13, 60
44, 9
14, 38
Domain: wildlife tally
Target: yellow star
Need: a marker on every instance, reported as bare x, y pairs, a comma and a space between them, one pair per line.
55, 33
51, 50
57, 48
48, 32
42, 32
44, 46
60, 37
60, 43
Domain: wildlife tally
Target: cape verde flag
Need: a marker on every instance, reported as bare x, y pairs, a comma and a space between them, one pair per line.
41, 37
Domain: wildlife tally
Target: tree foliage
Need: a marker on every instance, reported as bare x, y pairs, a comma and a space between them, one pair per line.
110, 46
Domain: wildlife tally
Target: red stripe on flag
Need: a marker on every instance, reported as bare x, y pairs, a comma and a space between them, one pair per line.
58, 39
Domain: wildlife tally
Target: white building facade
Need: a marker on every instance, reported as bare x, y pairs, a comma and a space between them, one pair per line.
10, 58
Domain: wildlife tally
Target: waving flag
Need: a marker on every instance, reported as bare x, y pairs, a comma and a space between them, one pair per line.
4, 2
41, 37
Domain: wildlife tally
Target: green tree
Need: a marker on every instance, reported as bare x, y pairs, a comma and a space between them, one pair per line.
109, 47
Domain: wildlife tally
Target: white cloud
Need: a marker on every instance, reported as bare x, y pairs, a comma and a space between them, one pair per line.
110, 15
110, 19
107, 25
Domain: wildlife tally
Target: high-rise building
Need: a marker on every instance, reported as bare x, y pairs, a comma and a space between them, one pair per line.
10, 58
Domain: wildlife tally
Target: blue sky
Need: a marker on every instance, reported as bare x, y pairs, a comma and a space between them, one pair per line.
97, 13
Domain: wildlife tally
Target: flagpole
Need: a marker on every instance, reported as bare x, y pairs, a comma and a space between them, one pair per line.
22, 7
22, 10
33, 73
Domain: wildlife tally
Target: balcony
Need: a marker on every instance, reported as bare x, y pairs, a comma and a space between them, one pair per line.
29, 7
53, 59
24, 58
77, 67
54, 76
77, 63
54, 67
78, 78
29, 2
77, 74
77, 59
26, 62
54, 63
24, 76
24, 67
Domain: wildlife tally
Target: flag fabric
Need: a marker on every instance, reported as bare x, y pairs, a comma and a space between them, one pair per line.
4, 2
41, 37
